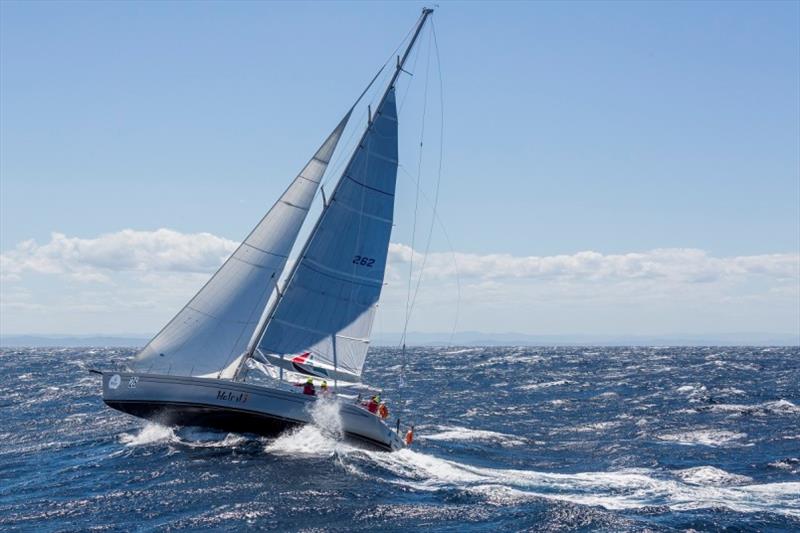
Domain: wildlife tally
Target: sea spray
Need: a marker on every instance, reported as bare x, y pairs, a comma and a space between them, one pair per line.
323, 436
327, 416
151, 433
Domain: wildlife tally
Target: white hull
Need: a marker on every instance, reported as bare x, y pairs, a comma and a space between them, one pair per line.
232, 406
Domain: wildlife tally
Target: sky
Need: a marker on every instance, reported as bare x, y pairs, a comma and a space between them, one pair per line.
607, 168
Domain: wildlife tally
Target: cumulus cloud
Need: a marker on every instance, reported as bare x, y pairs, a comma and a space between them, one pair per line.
137, 280
684, 265
162, 250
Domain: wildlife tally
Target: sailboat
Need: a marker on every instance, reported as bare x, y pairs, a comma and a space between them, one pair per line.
315, 324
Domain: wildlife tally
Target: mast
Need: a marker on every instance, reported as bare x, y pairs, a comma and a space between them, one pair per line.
270, 310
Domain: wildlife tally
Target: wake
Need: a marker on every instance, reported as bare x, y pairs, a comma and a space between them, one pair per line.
701, 487
695, 488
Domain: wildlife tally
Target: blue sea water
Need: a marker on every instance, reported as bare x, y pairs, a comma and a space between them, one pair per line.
508, 439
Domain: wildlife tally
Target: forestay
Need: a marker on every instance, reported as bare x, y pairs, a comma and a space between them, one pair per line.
215, 326
326, 312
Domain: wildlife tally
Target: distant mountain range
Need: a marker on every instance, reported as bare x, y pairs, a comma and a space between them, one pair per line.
463, 338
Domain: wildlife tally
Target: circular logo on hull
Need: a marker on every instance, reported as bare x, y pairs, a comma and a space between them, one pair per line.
114, 382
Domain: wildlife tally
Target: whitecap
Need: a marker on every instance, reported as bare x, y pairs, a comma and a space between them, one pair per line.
791, 464
464, 350
547, 384
595, 426
709, 475
706, 437
779, 407
605, 395
456, 433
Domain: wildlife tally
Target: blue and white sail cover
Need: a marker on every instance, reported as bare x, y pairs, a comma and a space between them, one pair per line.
326, 312
214, 328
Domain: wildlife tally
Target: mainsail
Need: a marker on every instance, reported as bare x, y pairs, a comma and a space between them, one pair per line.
322, 322
214, 328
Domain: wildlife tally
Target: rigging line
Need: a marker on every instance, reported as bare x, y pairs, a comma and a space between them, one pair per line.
316, 228
453, 254
439, 172
409, 300
341, 155
334, 165
402, 101
416, 202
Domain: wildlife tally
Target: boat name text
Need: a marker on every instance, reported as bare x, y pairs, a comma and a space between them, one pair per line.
230, 396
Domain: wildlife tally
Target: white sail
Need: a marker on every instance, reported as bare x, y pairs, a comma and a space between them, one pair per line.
214, 328
326, 312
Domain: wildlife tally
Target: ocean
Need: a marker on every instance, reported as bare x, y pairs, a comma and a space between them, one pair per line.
507, 439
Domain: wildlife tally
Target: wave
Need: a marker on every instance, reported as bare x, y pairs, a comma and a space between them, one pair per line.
548, 384
698, 488
706, 437
709, 475
463, 350
457, 433
151, 433
193, 437
777, 407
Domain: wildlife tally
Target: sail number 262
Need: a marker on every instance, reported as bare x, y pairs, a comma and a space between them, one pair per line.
363, 261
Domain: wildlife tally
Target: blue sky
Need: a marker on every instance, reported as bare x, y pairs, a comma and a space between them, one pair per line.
616, 128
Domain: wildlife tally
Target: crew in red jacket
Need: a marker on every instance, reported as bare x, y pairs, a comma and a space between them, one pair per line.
372, 405
308, 387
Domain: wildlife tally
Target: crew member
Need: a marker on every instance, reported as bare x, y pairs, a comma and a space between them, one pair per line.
410, 437
383, 411
324, 390
372, 405
308, 387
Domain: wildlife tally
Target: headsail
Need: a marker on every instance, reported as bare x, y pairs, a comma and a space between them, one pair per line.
213, 329
326, 312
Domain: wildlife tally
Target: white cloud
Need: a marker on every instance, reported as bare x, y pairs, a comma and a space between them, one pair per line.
162, 250
683, 265
136, 280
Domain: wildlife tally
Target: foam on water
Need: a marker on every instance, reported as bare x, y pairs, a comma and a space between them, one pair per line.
705, 437
777, 407
463, 350
704, 487
322, 437
535, 386
151, 433
630, 439
708, 475
457, 433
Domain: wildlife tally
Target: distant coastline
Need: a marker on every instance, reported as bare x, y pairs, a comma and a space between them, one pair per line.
464, 338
